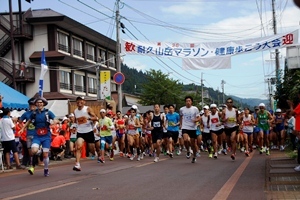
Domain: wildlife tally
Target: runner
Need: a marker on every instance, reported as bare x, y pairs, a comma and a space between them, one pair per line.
84, 116
189, 116
120, 132
106, 138
165, 140
247, 122
133, 136
157, 124
172, 124
264, 118
279, 128
141, 135
207, 141
230, 119
216, 127
40, 118
147, 132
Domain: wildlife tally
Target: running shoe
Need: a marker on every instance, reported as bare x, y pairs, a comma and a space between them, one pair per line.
220, 151
142, 156
171, 155
77, 168
232, 156
178, 152
247, 153
138, 158
156, 159
101, 160
216, 155
188, 155
121, 154
20, 167
210, 155
92, 157
242, 149
31, 170
297, 168
111, 156
132, 157
46, 172
224, 151
261, 150
281, 148
168, 152
193, 160
267, 152
198, 154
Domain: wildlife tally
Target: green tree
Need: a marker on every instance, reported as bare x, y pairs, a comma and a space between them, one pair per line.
159, 88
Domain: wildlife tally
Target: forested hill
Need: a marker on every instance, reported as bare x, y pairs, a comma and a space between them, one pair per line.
134, 80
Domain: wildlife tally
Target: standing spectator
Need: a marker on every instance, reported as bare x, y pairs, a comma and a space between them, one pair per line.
22, 68
8, 139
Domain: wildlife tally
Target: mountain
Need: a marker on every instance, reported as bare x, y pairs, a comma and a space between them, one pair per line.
251, 102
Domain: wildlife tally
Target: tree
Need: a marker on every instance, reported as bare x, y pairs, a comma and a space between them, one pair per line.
159, 88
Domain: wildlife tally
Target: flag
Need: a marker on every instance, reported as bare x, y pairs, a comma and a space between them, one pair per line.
44, 69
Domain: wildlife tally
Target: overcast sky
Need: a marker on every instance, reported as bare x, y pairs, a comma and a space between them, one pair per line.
189, 21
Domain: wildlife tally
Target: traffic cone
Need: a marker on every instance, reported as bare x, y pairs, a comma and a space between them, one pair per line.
83, 150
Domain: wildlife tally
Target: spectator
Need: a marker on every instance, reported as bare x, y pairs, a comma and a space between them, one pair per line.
58, 146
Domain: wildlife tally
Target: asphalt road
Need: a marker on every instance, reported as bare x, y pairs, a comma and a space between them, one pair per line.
172, 179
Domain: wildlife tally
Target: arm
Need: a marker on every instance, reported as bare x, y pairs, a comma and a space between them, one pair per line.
93, 116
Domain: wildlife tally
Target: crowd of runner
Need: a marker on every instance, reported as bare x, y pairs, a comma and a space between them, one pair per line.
211, 132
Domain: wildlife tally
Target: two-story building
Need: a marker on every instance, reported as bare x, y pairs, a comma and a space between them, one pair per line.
73, 51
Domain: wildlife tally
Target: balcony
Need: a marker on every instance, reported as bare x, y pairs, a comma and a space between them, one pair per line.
65, 86
79, 88
92, 91
64, 48
28, 75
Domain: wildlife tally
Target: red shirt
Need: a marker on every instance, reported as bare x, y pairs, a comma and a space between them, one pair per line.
58, 141
65, 127
297, 117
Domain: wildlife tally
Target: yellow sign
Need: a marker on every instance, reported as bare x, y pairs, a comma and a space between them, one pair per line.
105, 92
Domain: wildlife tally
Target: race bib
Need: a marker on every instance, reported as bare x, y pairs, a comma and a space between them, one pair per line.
42, 131
231, 119
214, 120
247, 123
82, 120
156, 124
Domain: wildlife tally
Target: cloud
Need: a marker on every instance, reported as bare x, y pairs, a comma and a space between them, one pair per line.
135, 64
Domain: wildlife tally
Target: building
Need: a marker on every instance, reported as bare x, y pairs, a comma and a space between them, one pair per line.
73, 51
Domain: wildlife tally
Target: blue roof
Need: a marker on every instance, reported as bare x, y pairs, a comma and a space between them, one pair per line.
13, 99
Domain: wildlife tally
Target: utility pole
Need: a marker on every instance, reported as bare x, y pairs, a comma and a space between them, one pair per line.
222, 86
218, 96
202, 102
12, 43
118, 60
277, 64
98, 82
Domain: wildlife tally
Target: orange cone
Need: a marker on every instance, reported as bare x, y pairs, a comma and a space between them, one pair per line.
83, 150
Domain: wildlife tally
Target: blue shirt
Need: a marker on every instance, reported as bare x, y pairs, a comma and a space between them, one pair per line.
31, 128
41, 119
173, 119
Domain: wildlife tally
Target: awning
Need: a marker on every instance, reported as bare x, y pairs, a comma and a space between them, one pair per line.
12, 99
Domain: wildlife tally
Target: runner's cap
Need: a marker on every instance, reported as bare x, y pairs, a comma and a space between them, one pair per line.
102, 111
261, 105
213, 105
278, 110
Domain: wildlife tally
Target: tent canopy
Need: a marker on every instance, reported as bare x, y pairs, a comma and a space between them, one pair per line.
12, 99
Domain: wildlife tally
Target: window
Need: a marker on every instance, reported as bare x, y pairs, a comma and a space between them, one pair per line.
102, 56
90, 52
111, 60
79, 83
63, 42
64, 80
92, 85
77, 47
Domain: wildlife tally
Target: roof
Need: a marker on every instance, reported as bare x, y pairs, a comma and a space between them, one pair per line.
13, 99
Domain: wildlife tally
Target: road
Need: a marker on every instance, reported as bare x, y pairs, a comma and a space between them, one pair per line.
172, 179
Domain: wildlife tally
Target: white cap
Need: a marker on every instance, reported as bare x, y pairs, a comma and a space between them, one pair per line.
201, 112
261, 105
65, 118
206, 107
102, 111
134, 107
213, 105
278, 110
71, 115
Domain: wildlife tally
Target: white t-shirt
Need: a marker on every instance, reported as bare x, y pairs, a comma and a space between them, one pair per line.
7, 133
188, 116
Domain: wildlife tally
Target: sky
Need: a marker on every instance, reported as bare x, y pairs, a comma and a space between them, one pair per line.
189, 21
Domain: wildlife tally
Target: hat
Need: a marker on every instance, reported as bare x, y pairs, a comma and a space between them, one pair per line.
31, 101
65, 118
256, 108
202, 112
213, 105
206, 107
278, 110
110, 113
261, 105
102, 111
42, 99
134, 107
71, 115
79, 98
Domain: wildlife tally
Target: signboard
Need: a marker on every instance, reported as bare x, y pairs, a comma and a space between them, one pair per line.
119, 78
105, 91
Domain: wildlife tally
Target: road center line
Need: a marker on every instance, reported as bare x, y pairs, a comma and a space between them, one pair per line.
39, 191
149, 163
231, 182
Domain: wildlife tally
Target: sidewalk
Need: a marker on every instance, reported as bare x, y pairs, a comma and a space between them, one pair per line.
282, 181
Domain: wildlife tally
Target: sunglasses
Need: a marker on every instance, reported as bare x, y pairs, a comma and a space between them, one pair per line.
229, 102
132, 112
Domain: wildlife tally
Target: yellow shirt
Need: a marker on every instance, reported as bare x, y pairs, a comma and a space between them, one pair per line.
105, 126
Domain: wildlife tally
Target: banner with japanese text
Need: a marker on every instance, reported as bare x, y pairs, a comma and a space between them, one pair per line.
209, 49
105, 91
